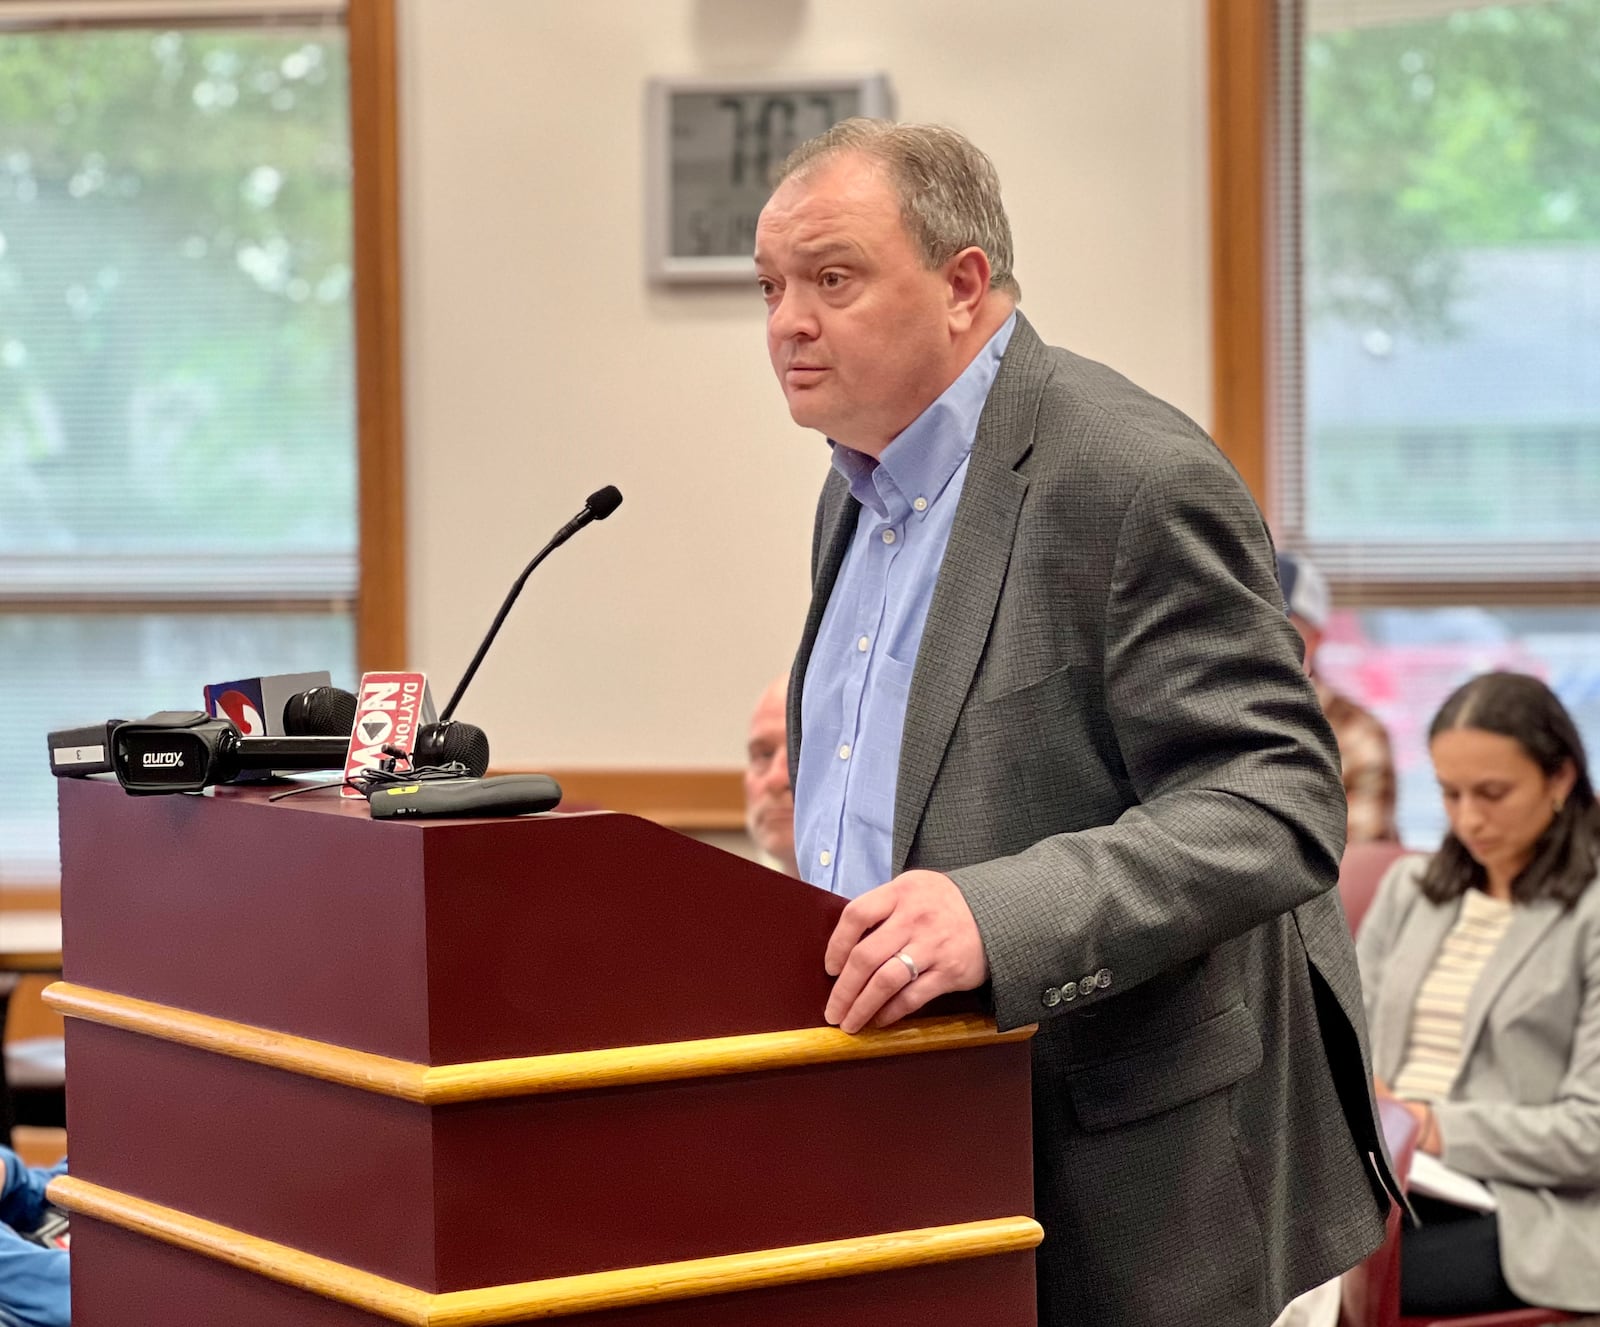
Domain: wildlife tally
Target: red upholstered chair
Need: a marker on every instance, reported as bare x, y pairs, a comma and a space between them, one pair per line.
33, 1077
1360, 870
1510, 1318
1370, 1292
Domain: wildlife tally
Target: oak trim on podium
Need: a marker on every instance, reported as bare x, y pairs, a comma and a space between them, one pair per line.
534, 1075
628, 1287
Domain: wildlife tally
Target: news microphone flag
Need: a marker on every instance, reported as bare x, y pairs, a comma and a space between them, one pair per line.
390, 708
254, 705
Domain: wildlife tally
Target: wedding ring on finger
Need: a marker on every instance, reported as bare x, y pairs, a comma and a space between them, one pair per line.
911, 964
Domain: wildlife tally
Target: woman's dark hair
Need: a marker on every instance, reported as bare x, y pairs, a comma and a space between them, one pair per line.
1524, 709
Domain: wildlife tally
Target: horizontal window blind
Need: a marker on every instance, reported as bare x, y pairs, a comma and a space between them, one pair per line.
176, 375
177, 398
1435, 353
1347, 14
19, 14
1439, 413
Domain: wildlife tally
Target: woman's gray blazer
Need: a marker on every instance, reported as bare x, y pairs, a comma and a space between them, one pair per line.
1524, 1112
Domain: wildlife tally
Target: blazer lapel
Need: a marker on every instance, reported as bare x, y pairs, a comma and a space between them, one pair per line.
970, 579
1529, 922
837, 523
1411, 956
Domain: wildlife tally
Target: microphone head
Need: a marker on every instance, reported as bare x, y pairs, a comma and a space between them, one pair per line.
440, 743
319, 712
603, 502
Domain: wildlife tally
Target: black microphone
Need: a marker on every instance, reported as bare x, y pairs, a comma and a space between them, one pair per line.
447, 740
319, 712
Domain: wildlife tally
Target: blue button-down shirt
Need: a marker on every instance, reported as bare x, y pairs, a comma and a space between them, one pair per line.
853, 706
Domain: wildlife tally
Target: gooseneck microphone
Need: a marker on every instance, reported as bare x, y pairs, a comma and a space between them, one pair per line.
448, 740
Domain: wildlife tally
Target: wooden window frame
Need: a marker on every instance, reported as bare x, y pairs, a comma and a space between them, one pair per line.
1253, 294
378, 606
379, 601
381, 640
1244, 128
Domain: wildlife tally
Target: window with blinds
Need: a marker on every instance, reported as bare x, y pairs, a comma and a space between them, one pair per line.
1436, 437
177, 396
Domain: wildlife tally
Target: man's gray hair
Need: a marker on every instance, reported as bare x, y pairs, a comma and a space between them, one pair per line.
949, 190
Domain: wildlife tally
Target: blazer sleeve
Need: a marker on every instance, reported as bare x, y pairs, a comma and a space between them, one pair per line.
1554, 1145
1239, 813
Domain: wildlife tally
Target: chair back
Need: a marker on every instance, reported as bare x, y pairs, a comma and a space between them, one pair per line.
1360, 870
1369, 1292
1509, 1318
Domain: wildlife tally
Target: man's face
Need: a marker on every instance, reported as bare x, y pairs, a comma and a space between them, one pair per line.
858, 330
768, 799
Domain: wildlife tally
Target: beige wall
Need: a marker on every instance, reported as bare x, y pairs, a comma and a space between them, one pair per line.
540, 364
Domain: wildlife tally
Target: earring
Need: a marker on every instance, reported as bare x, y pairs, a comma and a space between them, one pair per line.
1556, 804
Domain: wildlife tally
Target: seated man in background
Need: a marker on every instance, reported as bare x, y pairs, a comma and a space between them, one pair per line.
1365, 759
768, 798
33, 1276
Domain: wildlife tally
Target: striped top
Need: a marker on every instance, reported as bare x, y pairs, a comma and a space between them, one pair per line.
1434, 1049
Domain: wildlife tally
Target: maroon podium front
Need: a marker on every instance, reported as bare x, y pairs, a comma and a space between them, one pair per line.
325, 1069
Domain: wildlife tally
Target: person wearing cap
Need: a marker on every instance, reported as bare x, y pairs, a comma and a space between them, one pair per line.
1366, 759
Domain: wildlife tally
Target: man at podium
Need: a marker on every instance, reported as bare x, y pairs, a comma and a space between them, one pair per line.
1049, 731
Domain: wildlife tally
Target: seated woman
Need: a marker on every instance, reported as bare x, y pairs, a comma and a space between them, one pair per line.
1481, 969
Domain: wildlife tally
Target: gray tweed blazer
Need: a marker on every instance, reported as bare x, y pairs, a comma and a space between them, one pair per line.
1524, 1114
1111, 747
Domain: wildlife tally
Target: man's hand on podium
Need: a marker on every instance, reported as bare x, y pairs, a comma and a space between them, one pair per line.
900, 945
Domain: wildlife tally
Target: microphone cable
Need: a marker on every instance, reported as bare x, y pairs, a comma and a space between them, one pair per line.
386, 774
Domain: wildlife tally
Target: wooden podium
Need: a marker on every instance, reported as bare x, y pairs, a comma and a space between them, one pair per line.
327, 1070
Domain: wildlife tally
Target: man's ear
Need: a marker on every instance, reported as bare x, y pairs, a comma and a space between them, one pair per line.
967, 276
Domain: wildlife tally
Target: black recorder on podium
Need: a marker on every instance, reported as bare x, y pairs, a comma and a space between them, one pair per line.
253, 728
321, 728
182, 751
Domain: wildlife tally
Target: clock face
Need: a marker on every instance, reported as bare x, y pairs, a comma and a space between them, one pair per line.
723, 147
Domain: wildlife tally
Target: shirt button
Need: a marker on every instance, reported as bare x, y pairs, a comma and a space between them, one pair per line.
863, 645
921, 504
888, 536
844, 752
825, 857
1086, 983
1069, 991
1051, 997
1102, 979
